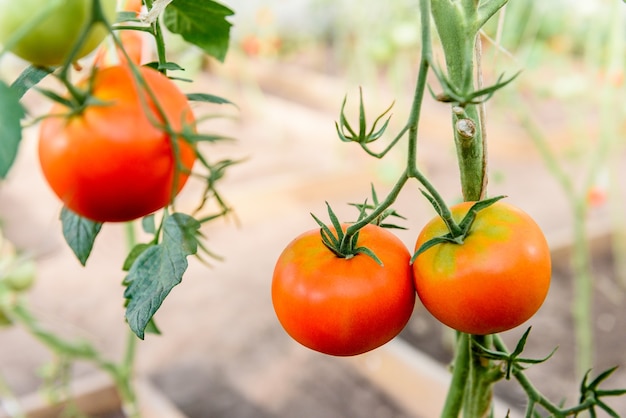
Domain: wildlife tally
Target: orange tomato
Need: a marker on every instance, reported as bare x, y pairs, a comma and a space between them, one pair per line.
496, 280
343, 306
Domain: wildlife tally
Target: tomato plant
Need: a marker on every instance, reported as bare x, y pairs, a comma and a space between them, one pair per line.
124, 170
55, 28
343, 306
492, 282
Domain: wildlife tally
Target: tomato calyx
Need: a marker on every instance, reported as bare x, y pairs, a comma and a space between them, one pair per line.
512, 361
341, 243
364, 136
457, 231
452, 94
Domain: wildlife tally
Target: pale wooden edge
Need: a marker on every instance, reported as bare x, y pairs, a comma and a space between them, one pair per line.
96, 394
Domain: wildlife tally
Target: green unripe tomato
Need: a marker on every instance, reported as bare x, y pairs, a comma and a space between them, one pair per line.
51, 40
21, 276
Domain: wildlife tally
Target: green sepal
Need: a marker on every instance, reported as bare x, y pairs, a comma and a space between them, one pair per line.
338, 242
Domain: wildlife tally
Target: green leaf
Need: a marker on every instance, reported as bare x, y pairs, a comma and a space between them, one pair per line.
134, 253
148, 224
29, 78
208, 98
158, 269
11, 113
202, 23
168, 66
80, 233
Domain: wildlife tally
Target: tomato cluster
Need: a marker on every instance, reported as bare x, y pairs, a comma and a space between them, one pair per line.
493, 281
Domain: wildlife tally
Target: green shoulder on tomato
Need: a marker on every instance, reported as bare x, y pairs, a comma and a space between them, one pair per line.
496, 280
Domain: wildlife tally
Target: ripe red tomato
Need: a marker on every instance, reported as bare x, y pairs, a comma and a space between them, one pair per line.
113, 161
496, 280
343, 306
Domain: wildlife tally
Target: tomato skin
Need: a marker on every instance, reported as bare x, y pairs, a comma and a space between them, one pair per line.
110, 163
340, 306
52, 40
496, 280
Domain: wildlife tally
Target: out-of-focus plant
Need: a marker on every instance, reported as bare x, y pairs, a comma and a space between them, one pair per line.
585, 47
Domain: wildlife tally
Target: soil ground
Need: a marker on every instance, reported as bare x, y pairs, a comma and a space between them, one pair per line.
222, 352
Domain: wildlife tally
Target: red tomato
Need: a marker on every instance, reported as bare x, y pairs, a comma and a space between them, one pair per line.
343, 306
496, 280
113, 161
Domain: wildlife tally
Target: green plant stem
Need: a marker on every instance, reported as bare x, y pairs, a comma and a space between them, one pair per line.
412, 128
457, 25
581, 257
460, 376
583, 288
125, 370
535, 397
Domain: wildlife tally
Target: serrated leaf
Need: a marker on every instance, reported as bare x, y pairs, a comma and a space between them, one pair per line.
150, 279
208, 98
29, 78
11, 113
158, 269
79, 233
202, 23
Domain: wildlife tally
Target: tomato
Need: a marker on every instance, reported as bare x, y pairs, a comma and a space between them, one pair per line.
51, 40
343, 306
496, 280
112, 161
132, 5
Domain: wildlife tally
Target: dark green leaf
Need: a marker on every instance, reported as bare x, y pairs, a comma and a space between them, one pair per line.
158, 269
11, 113
80, 233
135, 252
202, 23
29, 78
208, 98
168, 66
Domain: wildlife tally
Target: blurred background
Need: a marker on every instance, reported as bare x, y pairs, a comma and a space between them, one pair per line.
556, 139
